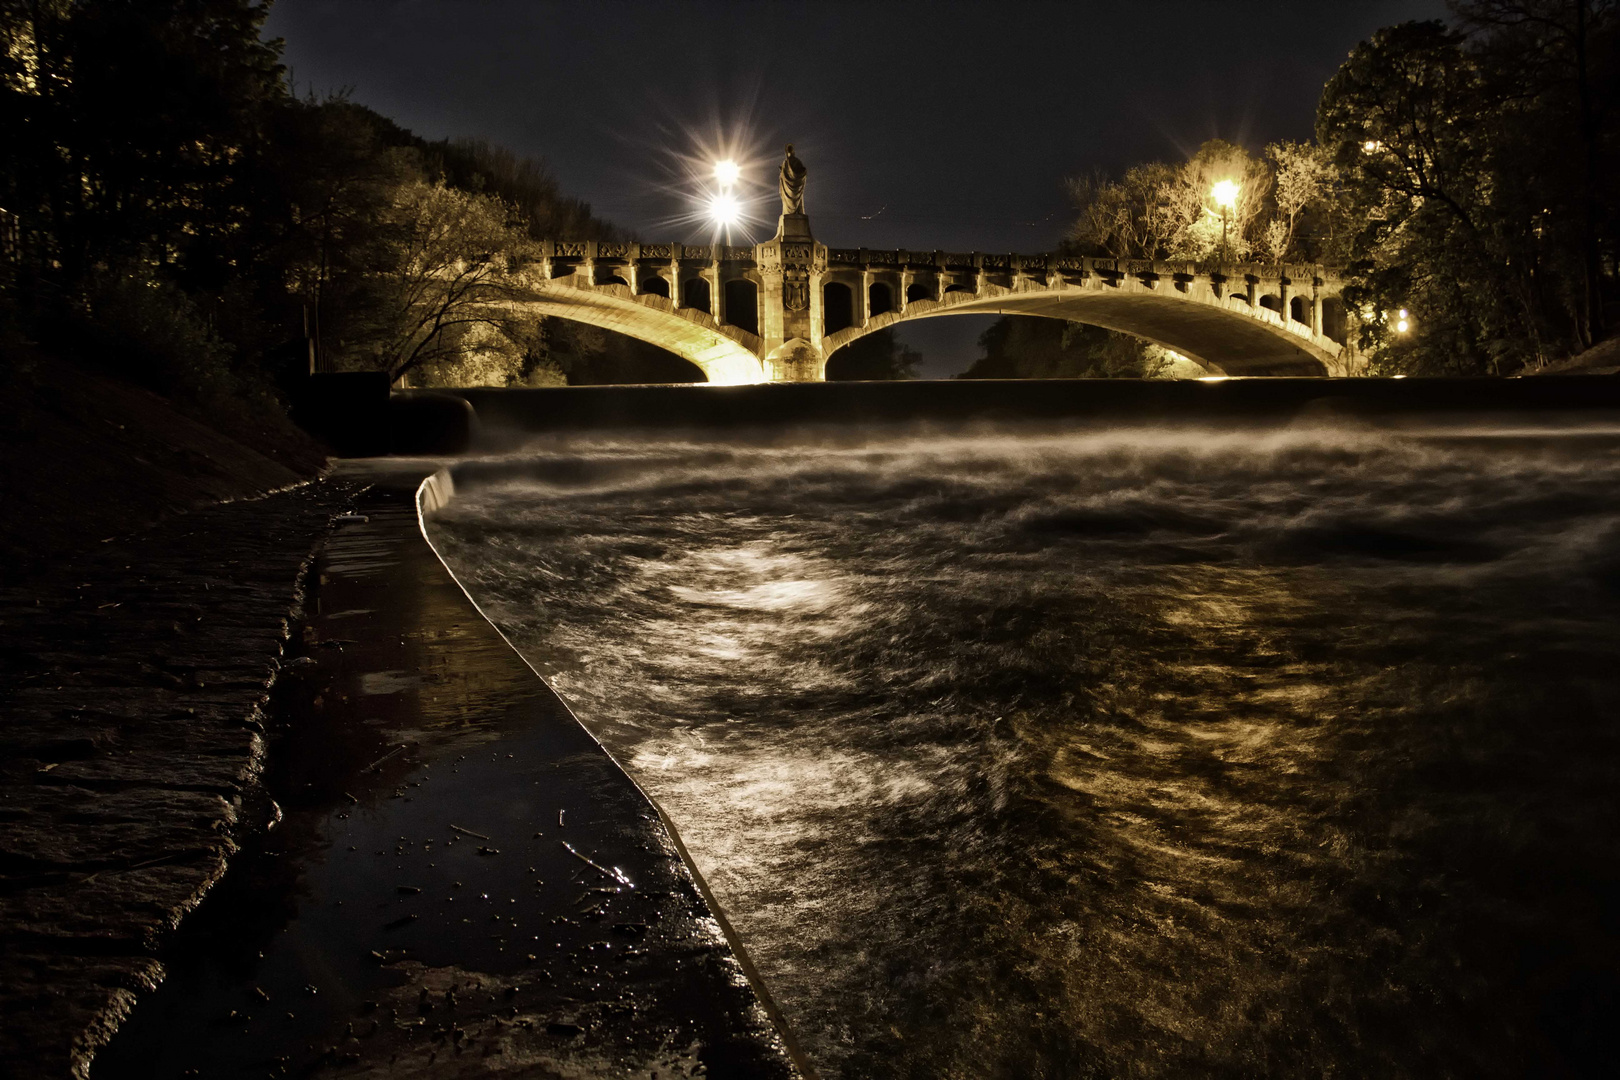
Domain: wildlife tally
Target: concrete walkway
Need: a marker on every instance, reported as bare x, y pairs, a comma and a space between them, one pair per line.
132, 685
463, 882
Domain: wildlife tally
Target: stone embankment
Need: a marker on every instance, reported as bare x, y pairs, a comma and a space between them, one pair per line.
132, 683
534, 915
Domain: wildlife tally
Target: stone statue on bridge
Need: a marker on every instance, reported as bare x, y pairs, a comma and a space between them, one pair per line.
792, 185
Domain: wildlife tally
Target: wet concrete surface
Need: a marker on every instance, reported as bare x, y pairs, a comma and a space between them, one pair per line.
462, 881
132, 685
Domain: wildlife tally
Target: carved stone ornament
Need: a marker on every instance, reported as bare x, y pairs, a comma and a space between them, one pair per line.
574, 248
797, 254
796, 295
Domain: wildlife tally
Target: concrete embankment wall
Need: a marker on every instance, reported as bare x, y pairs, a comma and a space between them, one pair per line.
711, 999
1122, 400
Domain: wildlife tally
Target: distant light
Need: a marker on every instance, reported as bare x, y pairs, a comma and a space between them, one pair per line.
1397, 376
1225, 193
727, 172
1213, 378
1402, 327
724, 210
1372, 146
1403, 313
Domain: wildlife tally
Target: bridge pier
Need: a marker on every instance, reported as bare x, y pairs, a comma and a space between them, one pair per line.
717, 291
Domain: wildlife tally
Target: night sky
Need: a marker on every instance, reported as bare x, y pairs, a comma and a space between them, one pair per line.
924, 125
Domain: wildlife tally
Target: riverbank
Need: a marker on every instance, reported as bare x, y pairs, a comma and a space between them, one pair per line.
134, 679
145, 682
90, 456
464, 881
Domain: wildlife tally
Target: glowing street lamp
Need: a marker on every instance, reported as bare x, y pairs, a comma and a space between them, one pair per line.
1225, 193
724, 210
1403, 322
727, 173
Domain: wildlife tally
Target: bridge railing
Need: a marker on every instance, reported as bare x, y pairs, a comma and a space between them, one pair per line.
878, 259
870, 259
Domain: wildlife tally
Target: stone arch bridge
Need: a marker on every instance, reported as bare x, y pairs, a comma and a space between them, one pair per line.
778, 311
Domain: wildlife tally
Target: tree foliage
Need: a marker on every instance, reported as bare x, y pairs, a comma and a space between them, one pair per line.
1467, 155
169, 192
1163, 211
1467, 176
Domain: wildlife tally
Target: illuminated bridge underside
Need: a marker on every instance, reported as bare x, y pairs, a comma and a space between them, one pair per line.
778, 311
1230, 339
725, 354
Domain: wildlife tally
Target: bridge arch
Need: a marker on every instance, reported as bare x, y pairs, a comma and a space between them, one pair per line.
1226, 336
695, 294
837, 306
727, 355
879, 298
741, 308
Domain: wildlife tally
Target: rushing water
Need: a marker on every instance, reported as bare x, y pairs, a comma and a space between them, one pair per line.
1150, 752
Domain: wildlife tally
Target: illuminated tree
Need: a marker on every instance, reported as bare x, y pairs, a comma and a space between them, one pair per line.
1459, 158
445, 277
1302, 179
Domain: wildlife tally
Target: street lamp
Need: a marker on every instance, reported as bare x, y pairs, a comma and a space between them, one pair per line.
727, 173
723, 209
1225, 193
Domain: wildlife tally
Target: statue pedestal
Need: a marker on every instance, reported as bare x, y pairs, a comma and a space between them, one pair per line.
793, 227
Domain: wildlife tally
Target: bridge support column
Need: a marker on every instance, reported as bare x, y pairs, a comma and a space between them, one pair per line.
1316, 315
905, 287
1282, 300
717, 292
1254, 293
863, 302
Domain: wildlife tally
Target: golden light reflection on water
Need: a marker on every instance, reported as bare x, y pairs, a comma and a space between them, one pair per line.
1127, 755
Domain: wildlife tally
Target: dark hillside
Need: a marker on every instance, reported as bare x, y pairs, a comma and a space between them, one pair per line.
88, 456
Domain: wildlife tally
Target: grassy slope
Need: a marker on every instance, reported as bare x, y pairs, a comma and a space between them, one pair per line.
87, 457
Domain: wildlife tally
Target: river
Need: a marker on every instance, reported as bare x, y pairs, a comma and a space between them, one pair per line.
1139, 752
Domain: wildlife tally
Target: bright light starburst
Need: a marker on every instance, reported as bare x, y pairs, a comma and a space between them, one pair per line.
724, 210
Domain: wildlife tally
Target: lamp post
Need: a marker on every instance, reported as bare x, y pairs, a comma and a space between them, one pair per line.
1225, 193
